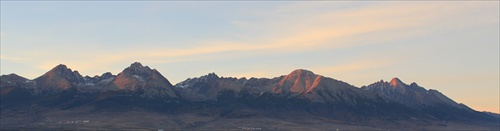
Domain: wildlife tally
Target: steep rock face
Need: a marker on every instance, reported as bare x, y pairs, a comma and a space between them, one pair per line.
411, 95
298, 82
57, 79
148, 82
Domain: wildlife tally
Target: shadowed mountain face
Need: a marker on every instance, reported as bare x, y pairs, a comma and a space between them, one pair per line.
411, 95
298, 99
12, 80
105, 78
431, 102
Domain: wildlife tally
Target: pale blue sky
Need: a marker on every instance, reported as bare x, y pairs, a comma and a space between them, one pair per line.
449, 46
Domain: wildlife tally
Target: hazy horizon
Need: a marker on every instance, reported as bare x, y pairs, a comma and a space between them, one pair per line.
452, 47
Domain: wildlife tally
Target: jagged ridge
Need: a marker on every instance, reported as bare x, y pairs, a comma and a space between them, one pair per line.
141, 86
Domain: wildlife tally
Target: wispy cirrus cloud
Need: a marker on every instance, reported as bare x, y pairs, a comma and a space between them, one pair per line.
307, 31
14, 59
330, 29
286, 33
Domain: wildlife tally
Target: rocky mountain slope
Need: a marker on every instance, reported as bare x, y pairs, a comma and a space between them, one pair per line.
298, 98
411, 95
432, 102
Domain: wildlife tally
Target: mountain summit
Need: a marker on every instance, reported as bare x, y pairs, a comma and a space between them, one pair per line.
11, 80
142, 78
395, 82
411, 95
58, 78
63, 72
299, 81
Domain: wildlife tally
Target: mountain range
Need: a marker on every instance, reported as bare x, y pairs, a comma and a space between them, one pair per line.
141, 98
